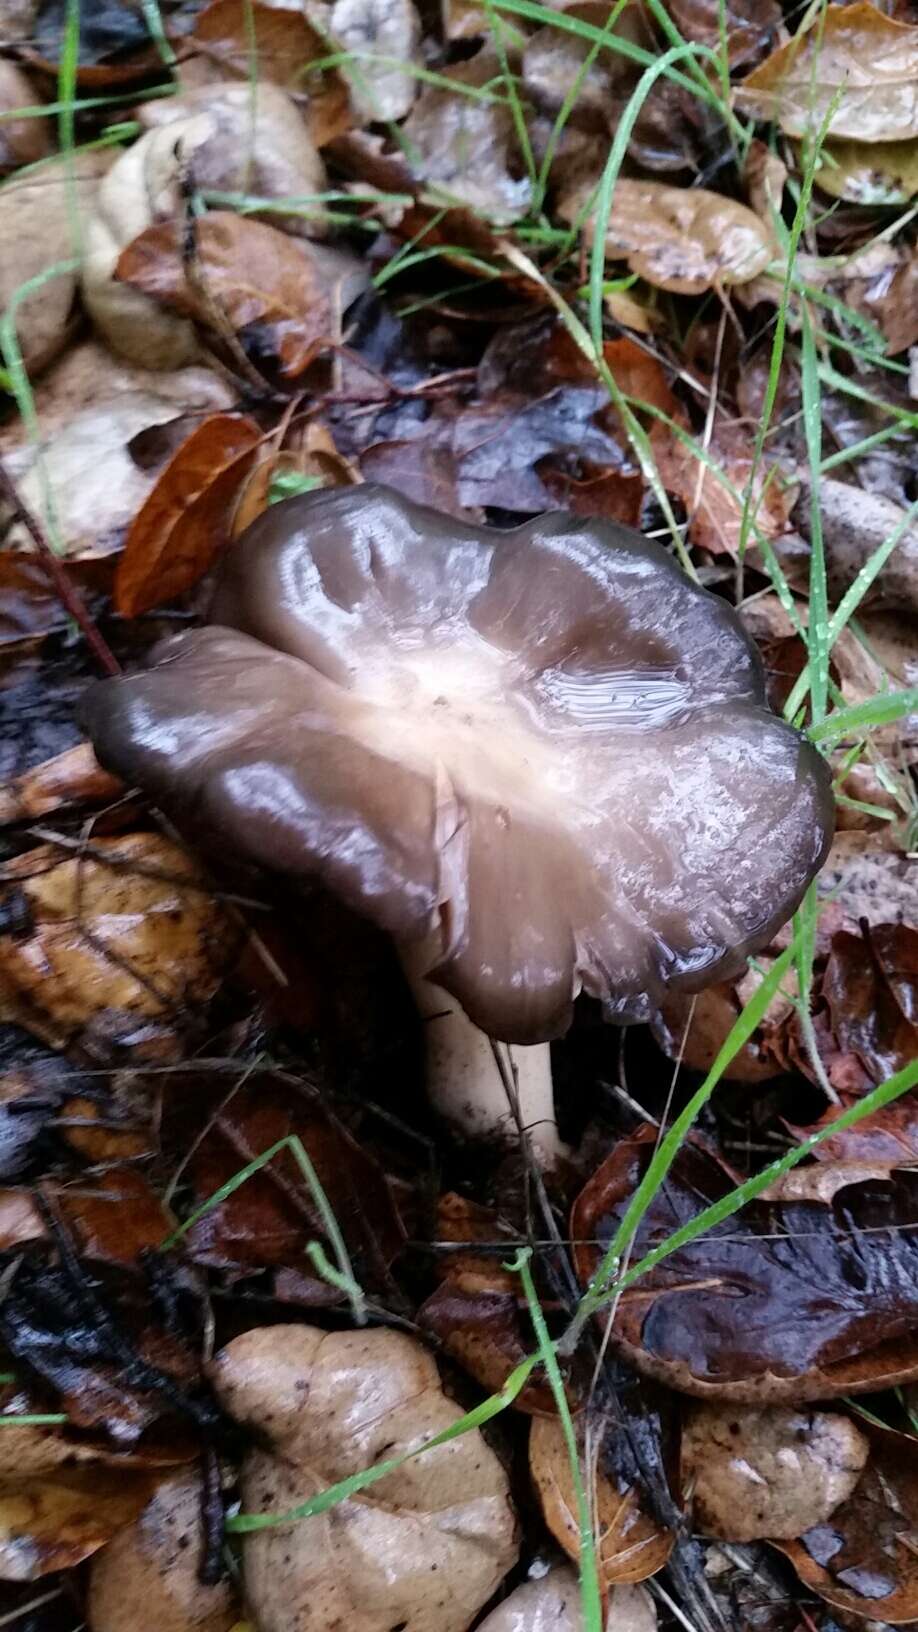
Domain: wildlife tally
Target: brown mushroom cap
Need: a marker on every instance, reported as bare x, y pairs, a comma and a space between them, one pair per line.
546, 744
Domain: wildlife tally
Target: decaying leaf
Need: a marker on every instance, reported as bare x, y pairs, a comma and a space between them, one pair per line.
870, 990
630, 1545
251, 140
53, 1522
552, 1603
258, 281
685, 239
426, 1546
477, 1313
864, 1559
22, 141
854, 72
714, 505
855, 523
381, 38
749, 24
110, 948
749, 1475
35, 215
881, 173
148, 1575
270, 1220
780, 1303
179, 531
227, 31
312, 456
463, 147
73, 777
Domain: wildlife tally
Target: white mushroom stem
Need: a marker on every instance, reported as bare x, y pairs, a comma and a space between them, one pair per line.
469, 1086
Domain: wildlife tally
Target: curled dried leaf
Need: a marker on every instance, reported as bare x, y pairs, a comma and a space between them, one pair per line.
111, 947
854, 72
685, 239
630, 1545
770, 1473
425, 1547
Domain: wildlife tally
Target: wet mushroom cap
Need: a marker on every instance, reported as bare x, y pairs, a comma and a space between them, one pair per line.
547, 745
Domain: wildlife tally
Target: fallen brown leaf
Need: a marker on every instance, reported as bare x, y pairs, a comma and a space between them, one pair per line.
178, 533
315, 458
749, 24
432, 1540
111, 948
630, 1546
53, 1523
781, 1303
74, 777
225, 34
22, 141
382, 40
715, 511
464, 149
855, 68
870, 989
750, 1475
149, 1573
864, 1560
685, 239
261, 281
552, 1603
870, 172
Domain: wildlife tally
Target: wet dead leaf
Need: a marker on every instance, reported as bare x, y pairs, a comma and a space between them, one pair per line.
630, 1546
22, 141
876, 173
864, 1559
749, 1475
315, 458
54, 1523
464, 148
74, 777
714, 506
349, 1399
870, 990
854, 62
178, 533
780, 1303
149, 1573
111, 948
477, 1312
227, 31
750, 25
382, 39
855, 524
35, 216
552, 1603
261, 282
685, 239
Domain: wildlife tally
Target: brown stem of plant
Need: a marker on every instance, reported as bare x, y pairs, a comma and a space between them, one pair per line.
57, 572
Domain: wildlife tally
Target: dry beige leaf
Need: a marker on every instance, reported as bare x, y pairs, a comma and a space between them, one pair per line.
774, 1473
855, 63
382, 38
148, 1575
854, 525
874, 173
629, 1545
871, 882
551, 1603
256, 142
112, 947
37, 215
22, 141
425, 1547
464, 148
685, 239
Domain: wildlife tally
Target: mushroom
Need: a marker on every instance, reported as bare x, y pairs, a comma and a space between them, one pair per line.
541, 759
423, 1549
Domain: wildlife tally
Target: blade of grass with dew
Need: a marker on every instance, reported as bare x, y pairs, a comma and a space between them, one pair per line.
66, 93
881, 710
33, 1419
817, 667
590, 1591
246, 1523
345, 1278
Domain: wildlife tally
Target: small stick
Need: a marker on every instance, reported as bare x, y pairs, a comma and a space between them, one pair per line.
57, 572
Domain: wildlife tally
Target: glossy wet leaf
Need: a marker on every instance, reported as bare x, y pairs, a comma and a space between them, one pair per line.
685, 239
780, 1303
870, 172
630, 1545
179, 531
259, 281
855, 68
229, 33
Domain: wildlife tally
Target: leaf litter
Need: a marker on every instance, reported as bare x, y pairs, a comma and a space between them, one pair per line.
274, 248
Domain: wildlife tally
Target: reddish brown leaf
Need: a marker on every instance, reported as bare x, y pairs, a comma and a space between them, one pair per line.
864, 1559
264, 283
478, 1313
715, 510
781, 1302
177, 534
74, 777
630, 1545
614, 495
